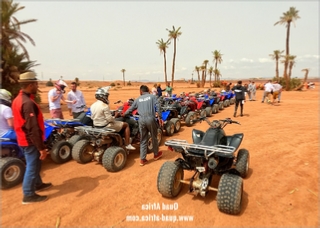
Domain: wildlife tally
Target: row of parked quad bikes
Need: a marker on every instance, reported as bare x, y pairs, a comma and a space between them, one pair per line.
211, 152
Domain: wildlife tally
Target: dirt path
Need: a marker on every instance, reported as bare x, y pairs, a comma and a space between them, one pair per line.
282, 189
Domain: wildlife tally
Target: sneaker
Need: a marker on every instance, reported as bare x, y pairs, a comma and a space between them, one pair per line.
130, 147
235, 114
262, 101
34, 199
143, 162
156, 157
43, 186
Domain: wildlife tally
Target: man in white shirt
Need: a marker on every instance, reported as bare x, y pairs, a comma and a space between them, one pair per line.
268, 89
75, 109
277, 90
6, 117
55, 96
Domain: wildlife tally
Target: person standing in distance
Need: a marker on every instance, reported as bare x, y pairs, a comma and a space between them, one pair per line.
75, 109
169, 90
240, 97
29, 127
146, 105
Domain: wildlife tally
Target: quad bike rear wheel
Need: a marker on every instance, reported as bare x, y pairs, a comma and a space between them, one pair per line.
169, 127
203, 113
242, 163
215, 108
114, 159
76, 138
229, 196
61, 152
189, 119
177, 124
209, 111
82, 151
150, 144
169, 179
12, 171
221, 106
232, 101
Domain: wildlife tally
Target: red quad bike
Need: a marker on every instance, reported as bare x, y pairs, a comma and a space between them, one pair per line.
212, 153
195, 110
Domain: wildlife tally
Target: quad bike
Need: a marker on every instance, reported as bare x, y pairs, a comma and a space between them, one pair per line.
207, 104
60, 136
102, 145
195, 110
211, 153
12, 163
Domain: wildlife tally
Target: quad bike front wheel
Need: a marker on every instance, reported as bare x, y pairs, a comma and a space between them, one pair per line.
114, 159
169, 179
61, 152
150, 144
215, 108
242, 163
82, 151
189, 119
169, 127
209, 111
12, 171
229, 196
221, 106
203, 113
177, 124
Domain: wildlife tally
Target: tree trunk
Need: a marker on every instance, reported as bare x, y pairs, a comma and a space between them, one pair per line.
124, 80
287, 54
210, 79
277, 69
165, 68
173, 63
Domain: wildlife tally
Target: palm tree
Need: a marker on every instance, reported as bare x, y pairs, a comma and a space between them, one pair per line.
196, 68
173, 35
276, 56
203, 77
10, 27
217, 74
13, 62
163, 49
205, 64
123, 77
286, 19
217, 58
291, 63
210, 71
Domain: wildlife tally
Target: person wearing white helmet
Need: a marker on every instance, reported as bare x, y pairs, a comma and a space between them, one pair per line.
6, 116
55, 96
102, 117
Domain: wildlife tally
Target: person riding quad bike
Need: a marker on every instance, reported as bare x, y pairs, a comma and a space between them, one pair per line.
102, 117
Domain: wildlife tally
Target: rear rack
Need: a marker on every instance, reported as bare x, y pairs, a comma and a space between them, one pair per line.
208, 150
94, 131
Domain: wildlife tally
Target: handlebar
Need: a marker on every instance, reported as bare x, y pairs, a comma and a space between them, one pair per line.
117, 102
217, 123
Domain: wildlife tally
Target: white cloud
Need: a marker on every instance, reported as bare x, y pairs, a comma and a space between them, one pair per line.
265, 60
246, 60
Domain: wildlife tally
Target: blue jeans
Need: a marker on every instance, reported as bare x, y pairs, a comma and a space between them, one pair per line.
31, 177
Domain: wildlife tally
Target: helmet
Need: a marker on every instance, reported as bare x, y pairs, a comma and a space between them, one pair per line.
102, 94
60, 85
5, 95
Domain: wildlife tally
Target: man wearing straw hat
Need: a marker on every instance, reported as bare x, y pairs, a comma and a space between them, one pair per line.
29, 127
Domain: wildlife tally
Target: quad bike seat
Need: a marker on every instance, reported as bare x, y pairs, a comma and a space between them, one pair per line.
235, 140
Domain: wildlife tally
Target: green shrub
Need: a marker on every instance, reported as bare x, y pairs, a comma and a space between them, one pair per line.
129, 83
49, 83
217, 84
198, 84
118, 84
112, 84
294, 82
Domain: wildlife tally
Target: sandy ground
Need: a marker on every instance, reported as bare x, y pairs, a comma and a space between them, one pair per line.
282, 189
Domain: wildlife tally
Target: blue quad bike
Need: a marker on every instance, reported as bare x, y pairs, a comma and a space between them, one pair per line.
212, 153
12, 163
60, 136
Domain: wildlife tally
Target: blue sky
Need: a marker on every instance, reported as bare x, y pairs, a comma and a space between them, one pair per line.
94, 40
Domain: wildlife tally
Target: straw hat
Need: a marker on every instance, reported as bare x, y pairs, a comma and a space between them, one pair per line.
28, 77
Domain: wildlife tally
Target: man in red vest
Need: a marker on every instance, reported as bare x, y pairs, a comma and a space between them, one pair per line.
29, 127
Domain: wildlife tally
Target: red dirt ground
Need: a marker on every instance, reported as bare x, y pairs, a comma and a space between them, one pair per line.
282, 189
